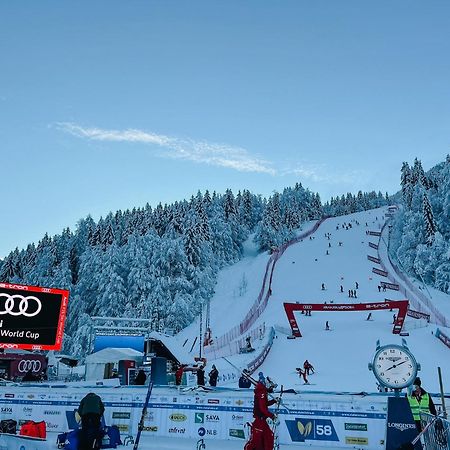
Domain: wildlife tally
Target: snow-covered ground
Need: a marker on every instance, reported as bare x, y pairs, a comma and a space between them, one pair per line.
340, 355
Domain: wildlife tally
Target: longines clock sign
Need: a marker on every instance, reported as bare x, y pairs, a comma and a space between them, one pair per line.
32, 318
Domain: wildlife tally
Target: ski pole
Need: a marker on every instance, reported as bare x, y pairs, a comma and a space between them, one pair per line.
276, 444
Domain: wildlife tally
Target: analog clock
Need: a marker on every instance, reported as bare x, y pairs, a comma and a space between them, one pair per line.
394, 366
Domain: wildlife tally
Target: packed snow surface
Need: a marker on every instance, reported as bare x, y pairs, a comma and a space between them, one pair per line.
341, 355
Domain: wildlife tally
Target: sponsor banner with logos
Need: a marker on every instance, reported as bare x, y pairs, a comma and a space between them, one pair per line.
339, 421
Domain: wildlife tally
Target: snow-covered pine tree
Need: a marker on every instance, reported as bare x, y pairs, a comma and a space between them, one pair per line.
430, 224
406, 184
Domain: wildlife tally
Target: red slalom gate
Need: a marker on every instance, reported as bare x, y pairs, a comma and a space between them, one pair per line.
401, 305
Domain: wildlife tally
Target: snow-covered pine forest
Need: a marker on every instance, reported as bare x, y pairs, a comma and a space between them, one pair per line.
161, 263
420, 235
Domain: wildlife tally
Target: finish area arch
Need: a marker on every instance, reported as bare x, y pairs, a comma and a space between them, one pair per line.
400, 305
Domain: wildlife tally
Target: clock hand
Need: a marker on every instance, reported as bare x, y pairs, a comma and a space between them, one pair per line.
395, 365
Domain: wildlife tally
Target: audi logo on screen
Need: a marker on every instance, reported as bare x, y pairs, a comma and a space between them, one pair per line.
29, 364
32, 318
18, 305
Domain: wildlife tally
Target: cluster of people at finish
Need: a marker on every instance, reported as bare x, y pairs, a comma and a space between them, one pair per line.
213, 375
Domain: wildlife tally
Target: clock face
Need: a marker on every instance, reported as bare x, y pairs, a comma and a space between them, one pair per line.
394, 366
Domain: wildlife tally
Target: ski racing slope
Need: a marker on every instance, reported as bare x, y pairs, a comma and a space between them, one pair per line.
340, 356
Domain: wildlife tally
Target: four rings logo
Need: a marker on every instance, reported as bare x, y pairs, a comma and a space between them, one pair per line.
18, 305
27, 364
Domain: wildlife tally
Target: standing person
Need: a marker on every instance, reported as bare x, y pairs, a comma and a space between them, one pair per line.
179, 375
91, 410
342, 288
29, 376
420, 401
357, 285
213, 375
244, 381
201, 376
262, 437
327, 326
140, 378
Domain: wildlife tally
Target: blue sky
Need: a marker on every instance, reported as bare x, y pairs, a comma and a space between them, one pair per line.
108, 105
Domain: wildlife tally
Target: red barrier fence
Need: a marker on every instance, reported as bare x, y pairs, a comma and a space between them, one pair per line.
266, 290
415, 297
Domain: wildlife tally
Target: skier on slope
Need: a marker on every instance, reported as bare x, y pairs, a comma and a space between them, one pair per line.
309, 368
302, 373
261, 437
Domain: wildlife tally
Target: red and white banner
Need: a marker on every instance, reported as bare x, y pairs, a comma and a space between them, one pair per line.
383, 273
443, 337
373, 259
418, 315
392, 286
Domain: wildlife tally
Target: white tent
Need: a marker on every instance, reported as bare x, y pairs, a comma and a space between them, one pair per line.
96, 362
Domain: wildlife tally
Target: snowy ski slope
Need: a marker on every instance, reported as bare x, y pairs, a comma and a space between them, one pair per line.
341, 355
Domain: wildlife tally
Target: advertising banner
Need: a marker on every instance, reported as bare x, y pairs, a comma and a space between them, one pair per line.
374, 233
326, 420
443, 337
372, 245
418, 315
383, 273
32, 318
392, 286
102, 341
401, 427
373, 259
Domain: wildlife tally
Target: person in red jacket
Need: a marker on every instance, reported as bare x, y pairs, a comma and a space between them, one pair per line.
179, 374
261, 437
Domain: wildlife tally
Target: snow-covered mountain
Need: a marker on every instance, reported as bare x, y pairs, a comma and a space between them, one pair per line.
340, 355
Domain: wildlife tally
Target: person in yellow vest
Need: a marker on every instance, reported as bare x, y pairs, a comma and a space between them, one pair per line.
420, 401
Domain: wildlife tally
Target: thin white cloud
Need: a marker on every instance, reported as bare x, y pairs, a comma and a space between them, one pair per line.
321, 173
198, 151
